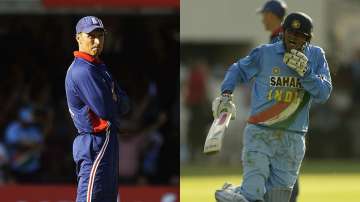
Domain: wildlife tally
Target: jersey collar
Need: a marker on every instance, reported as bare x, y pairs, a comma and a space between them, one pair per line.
87, 57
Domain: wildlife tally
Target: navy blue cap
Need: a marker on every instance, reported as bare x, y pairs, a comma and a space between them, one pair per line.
275, 6
88, 24
298, 22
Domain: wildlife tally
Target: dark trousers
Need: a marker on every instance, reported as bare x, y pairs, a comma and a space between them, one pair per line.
96, 157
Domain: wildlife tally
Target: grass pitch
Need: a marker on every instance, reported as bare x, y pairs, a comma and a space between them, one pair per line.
320, 181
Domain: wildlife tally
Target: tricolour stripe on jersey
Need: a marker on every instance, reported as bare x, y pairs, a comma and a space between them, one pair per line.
286, 123
277, 113
96, 164
269, 113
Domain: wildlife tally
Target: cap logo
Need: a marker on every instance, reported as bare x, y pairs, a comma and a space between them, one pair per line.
295, 24
94, 21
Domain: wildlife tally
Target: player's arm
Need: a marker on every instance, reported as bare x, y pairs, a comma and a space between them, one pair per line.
94, 92
242, 71
318, 82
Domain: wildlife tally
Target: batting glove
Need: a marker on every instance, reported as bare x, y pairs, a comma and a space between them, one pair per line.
224, 103
297, 61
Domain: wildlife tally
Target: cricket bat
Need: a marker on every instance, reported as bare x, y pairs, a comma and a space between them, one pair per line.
216, 133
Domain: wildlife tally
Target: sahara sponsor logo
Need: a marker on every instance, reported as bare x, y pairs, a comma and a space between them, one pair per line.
285, 81
284, 88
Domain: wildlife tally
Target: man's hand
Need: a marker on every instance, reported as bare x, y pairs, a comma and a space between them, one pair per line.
224, 103
297, 61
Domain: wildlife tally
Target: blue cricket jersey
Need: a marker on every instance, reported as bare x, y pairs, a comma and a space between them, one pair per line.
93, 97
280, 97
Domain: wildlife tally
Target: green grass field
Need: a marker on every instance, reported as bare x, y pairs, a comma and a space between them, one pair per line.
320, 181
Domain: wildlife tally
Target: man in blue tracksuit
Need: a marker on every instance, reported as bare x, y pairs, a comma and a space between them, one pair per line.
287, 77
95, 103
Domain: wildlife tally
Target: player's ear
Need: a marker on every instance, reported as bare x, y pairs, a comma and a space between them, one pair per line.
77, 37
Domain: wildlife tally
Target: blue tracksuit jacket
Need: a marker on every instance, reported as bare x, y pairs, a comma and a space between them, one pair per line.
95, 103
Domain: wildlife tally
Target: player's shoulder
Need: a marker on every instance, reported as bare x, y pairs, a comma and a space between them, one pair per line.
278, 44
260, 50
81, 67
315, 49
79, 71
270, 47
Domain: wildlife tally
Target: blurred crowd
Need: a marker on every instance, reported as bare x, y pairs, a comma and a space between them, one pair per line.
333, 130
36, 128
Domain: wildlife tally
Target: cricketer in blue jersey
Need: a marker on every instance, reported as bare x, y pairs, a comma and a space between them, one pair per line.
287, 77
273, 12
95, 103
